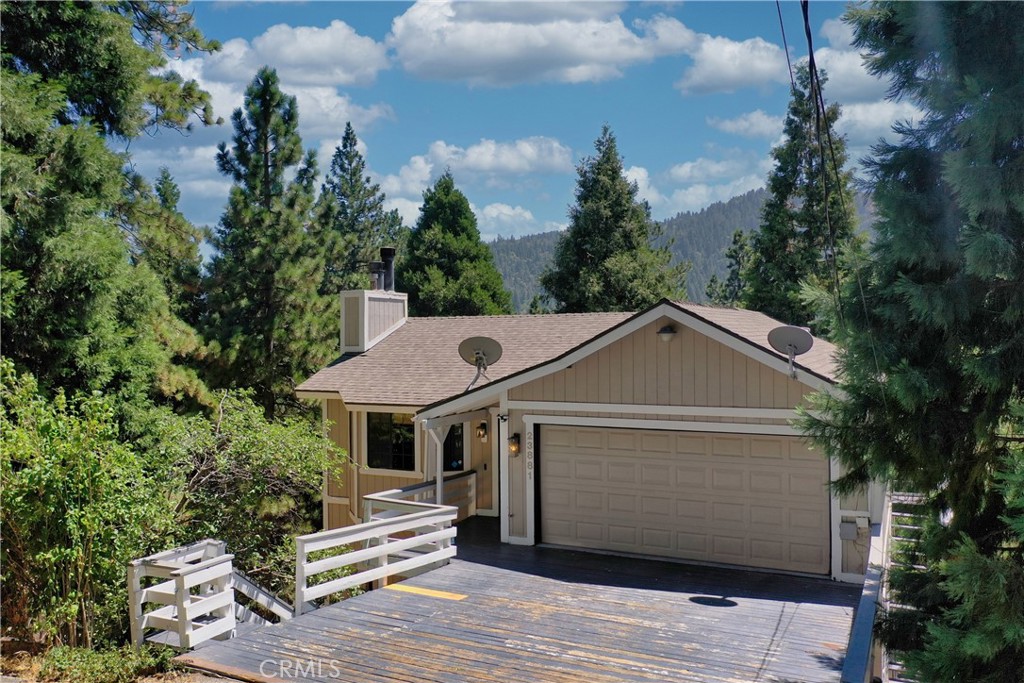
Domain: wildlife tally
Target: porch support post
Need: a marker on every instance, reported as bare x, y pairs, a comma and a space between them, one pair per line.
438, 465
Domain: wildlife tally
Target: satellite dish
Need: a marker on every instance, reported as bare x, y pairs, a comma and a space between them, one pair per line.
792, 341
480, 352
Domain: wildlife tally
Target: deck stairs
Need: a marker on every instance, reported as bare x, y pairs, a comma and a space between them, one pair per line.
905, 528
188, 596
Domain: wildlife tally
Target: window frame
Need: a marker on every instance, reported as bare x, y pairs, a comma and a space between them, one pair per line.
364, 454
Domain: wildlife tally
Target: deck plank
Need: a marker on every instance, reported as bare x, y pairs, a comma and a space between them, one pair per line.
560, 616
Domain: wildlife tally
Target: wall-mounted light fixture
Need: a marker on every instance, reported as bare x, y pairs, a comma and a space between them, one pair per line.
513, 444
481, 432
666, 333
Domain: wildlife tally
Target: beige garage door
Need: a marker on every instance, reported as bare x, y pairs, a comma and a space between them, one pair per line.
757, 501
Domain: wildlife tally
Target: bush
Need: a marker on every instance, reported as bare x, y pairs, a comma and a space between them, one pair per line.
121, 665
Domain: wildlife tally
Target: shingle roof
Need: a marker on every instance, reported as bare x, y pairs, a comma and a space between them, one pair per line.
754, 327
419, 362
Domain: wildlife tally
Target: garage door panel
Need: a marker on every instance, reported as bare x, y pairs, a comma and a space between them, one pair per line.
727, 479
746, 500
693, 477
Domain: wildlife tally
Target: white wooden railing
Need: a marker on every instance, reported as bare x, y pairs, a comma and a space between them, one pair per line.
459, 492
388, 547
863, 662
196, 597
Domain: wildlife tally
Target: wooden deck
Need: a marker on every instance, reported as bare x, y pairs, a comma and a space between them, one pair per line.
513, 614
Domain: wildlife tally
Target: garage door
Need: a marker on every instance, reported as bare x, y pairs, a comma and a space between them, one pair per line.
758, 501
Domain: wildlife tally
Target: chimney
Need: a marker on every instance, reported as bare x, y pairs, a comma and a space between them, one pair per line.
387, 255
376, 275
370, 315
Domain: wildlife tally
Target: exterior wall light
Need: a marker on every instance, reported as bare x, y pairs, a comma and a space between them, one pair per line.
481, 432
666, 333
513, 444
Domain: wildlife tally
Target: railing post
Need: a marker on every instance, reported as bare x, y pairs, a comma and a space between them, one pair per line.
135, 615
182, 598
382, 561
300, 575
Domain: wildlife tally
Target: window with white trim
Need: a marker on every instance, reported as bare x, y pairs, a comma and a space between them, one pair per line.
390, 442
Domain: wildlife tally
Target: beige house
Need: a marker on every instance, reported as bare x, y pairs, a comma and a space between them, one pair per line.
662, 433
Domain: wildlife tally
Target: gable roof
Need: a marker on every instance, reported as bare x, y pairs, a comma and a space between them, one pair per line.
419, 363
744, 330
753, 327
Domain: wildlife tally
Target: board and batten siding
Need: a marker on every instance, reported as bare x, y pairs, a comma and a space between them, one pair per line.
381, 314
690, 370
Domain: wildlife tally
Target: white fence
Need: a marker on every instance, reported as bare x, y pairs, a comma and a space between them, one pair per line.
405, 533
196, 598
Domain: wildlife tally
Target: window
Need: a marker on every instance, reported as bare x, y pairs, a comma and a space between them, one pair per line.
454, 451
390, 442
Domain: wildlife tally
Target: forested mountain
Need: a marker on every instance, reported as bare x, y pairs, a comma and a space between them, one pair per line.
701, 237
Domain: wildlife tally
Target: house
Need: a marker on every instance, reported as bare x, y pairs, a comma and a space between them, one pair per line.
661, 433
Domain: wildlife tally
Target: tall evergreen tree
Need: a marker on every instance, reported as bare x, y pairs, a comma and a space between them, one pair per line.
75, 310
606, 261
729, 291
447, 269
352, 215
270, 324
803, 238
166, 241
933, 342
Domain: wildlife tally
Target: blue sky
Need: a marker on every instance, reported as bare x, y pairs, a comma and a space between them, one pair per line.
511, 96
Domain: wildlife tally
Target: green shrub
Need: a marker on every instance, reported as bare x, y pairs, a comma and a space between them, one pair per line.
121, 665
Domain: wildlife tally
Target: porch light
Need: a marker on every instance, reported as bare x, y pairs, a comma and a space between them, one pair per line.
666, 333
481, 432
513, 444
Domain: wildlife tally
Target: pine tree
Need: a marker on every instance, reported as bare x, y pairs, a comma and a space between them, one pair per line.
448, 270
352, 215
271, 325
166, 241
802, 237
606, 261
728, 292
933, 341
76, 311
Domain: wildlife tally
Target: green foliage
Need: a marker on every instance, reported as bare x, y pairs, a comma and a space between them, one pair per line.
606, 261
351, 213
269, 324
448, 270
79, 314
108, 60
252, 483
121, 665
728, 292
932, 361
166, 241
809, 220
77, 506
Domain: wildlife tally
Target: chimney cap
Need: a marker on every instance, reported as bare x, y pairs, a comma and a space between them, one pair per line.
387, 253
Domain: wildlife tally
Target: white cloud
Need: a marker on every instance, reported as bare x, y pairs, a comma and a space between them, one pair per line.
864, 123
702, 169
645, 188
755, 124
504, 214
408, 209
838, 33
724, 65
848, 79
536, 154
504, 44
303, 55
